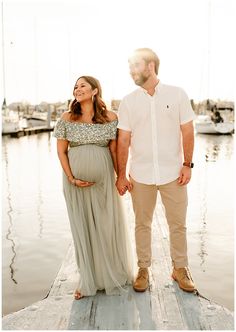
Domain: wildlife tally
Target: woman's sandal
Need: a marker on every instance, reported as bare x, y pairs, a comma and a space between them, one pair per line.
78, 295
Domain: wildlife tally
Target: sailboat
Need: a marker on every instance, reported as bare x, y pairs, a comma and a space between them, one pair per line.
204, 125
207, 124
10, 121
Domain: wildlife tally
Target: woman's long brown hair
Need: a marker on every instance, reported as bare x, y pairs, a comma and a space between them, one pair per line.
100, 109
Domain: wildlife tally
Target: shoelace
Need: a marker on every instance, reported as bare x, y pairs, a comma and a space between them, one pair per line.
186, 273
142, 274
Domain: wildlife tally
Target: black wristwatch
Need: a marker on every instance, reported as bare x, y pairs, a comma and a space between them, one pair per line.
188, 164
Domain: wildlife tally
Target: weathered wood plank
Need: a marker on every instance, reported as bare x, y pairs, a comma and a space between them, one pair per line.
49, 314
67, 277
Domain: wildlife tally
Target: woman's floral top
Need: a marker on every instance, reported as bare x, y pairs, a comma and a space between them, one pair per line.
78, 133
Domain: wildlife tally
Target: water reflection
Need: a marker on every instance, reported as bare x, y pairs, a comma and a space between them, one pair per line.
34, 219
39, 213
39, 193
212, 153
216, 146
49, 142
9, 236
203, 222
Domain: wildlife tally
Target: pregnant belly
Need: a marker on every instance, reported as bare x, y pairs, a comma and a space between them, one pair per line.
90, 162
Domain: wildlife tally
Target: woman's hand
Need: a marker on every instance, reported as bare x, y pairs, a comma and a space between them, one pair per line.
122, 185
80, 183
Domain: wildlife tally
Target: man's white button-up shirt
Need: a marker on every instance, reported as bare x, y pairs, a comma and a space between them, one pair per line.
156, 154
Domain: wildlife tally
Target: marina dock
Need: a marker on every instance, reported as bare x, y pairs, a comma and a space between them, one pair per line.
162, 307
29, 131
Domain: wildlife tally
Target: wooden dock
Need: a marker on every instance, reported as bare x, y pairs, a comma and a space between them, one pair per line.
29, 131
163, 307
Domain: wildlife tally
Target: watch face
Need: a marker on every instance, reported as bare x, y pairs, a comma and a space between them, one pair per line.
188, 164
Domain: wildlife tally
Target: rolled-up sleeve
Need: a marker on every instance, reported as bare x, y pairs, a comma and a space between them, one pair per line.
185, 109
123, 116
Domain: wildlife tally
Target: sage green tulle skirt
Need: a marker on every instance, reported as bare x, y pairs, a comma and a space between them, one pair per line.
98, 224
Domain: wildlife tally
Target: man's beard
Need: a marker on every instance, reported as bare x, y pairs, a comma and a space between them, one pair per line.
142, 79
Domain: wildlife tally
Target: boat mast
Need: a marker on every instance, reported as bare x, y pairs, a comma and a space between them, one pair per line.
4, 104
208, 48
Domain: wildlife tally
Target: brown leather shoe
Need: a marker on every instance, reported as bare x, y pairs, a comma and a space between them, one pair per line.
184, 279
142, 281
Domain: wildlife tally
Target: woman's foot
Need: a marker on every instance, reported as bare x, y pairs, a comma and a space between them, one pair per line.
78, 295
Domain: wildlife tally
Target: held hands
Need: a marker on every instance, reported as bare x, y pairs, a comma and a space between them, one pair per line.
184, 176
80, 183
122, 185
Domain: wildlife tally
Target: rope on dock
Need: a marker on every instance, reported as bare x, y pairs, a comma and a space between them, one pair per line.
196, 292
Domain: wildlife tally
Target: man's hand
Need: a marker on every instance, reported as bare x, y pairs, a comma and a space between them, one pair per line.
122, 185
184, 176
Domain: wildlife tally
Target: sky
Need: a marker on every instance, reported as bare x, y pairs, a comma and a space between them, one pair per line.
48, 44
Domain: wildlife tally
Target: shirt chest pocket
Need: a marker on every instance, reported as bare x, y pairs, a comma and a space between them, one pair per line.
168, 111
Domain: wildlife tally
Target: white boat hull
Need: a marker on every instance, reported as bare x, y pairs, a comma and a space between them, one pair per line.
10, 127
10, 122
34, 122
209, 127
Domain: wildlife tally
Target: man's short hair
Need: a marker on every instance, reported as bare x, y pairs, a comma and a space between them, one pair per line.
148, 56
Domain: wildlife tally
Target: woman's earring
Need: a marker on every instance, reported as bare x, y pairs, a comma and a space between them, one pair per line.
93, 98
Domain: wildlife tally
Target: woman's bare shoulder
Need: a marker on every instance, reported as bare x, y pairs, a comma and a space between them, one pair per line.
112, 115
66, 115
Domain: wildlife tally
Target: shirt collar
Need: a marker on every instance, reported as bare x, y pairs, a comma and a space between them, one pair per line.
157, 88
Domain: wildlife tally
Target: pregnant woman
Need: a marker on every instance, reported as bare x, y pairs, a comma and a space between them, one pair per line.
86, 145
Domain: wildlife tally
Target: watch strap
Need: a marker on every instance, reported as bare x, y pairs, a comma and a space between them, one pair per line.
188, 164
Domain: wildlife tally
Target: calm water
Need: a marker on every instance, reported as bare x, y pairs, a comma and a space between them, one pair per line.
36, 231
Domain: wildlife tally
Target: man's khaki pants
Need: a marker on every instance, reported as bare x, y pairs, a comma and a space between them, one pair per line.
174, 199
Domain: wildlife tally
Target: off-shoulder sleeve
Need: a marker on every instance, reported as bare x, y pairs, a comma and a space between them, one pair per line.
113, 129
60, 129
